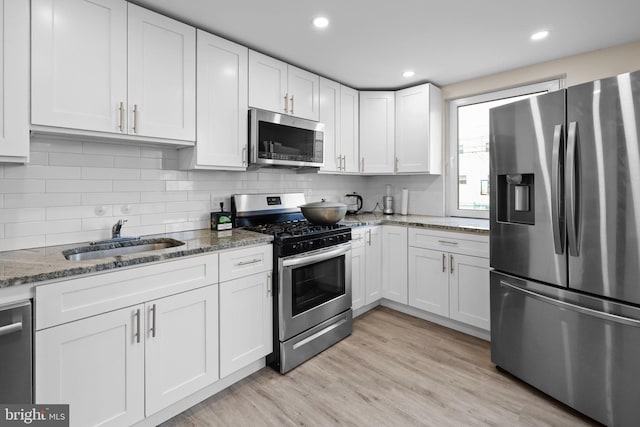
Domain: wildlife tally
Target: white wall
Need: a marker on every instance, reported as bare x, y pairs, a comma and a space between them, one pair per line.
75, 191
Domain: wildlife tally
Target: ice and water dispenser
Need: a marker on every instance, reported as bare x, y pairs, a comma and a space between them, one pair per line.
516, 198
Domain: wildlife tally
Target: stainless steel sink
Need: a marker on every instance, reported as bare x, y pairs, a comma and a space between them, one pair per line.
118, 248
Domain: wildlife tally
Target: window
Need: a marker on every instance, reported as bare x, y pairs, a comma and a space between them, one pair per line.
468, 147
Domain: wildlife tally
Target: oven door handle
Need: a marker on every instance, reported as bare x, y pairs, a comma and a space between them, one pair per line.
308, 259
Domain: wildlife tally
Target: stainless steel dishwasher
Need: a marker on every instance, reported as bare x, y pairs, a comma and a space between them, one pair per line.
15, 353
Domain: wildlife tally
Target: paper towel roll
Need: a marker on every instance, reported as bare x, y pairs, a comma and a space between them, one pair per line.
404, 210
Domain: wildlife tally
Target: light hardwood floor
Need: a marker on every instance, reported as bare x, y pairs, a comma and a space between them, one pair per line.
394, 370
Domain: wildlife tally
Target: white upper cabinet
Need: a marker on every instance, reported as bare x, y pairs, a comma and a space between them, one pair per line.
162, 76
14, 81
330, 117
282, 88
110, 66
377, 132
339, 114
349, 128
222, 136
79, 64
419, 130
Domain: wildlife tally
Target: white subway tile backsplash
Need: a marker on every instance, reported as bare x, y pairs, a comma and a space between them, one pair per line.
106, 223
137, 162
41, 200
138, 186
77, 212
78, 186
72, 159
202, 206
41, 172
36, 228
163, 175
81, 238
38, 158
167, 196
52, 144
22, 215
110, 173
164, 218
111, 149
110, 198
22, 186
22, 243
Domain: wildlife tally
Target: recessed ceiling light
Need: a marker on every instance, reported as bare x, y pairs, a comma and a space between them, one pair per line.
539, 35
320, 22
408, 74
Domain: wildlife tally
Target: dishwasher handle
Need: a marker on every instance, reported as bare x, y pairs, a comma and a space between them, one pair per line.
10, 329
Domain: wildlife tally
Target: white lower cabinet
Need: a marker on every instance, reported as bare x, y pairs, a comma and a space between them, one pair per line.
449, 275
118, 367
358, 273
394, 263
181, 346
245, 321
95, 365
366, 266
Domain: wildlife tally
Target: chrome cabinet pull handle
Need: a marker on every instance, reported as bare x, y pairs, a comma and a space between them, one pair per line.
137, 334
135, 118
286, 102
444, 263
252, 261
344, 163
397, 161
121, 124
152, 329
244, 155
291, 104
447, 242
451, 263
269, 284
362, 165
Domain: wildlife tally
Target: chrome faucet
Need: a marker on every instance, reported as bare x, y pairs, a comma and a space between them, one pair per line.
115, 230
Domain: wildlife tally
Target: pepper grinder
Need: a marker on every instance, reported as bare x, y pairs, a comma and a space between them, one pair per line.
387, 202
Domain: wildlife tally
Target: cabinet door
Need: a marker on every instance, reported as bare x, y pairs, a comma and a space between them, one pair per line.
304, 93
79, 64
267, 83
429, 280
394, 263
469, 290
181, 346
373, 265
96, 365
330, 117
245, 321
222, 102
358, 272
377, 132
162, 76
14, 81
349, 119
418, 130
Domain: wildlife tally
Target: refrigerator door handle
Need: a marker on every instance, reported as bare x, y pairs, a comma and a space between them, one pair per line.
572, 172
557, 171
573, 307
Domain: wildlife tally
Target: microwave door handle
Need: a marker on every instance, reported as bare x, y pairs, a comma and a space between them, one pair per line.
309, 259
557, 169
572, 178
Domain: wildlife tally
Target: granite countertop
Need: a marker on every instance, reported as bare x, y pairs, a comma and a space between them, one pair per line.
28, 266
444, 223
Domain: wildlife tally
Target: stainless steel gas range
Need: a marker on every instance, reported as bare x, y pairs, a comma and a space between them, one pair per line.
312, 276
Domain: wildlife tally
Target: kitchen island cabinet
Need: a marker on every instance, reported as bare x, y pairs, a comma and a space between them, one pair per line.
14, 81
112, 67
222, 91
282, 88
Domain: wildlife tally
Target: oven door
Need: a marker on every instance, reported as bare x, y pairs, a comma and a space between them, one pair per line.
313, 287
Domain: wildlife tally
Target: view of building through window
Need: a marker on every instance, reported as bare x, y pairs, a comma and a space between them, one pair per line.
473, 153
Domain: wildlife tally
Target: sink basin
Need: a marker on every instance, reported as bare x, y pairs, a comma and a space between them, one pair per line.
113, 249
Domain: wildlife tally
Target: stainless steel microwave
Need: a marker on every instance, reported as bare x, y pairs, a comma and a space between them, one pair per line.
280, 140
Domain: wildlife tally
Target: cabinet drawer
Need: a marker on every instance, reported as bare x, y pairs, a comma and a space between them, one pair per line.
357, 237
82, 297
245, 262
458, 242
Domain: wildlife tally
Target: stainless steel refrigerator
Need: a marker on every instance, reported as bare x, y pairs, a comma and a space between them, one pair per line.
565, 222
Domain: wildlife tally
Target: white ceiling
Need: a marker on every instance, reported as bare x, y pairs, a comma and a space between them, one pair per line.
369, 43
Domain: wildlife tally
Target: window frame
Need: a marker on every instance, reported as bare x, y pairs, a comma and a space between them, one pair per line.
451, 171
